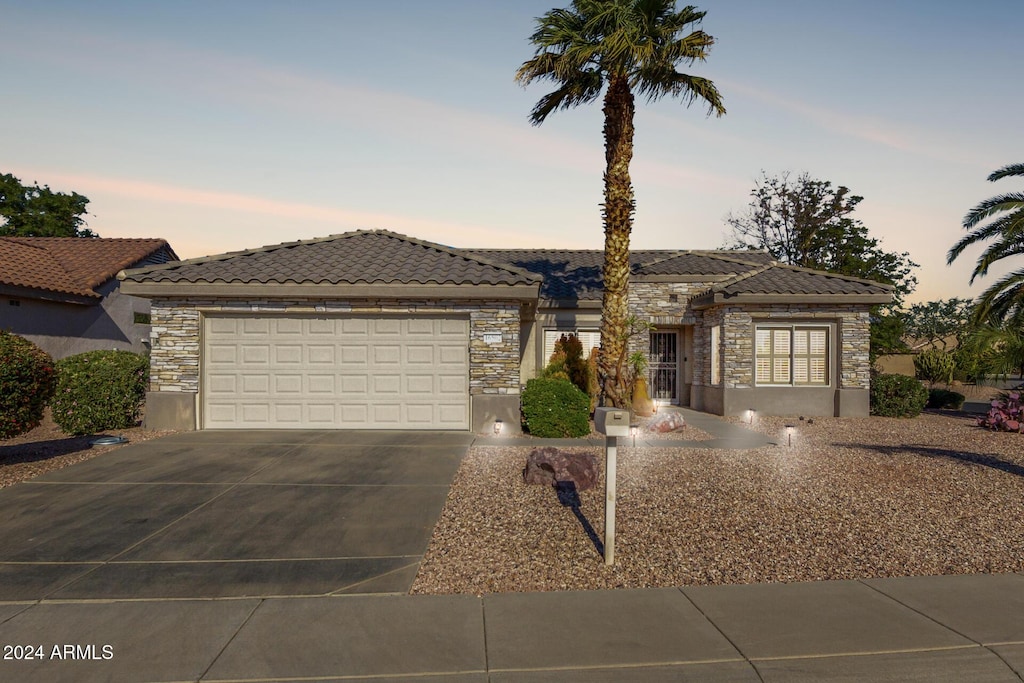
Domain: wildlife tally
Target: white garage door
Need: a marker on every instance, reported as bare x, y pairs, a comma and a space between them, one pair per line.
369, 372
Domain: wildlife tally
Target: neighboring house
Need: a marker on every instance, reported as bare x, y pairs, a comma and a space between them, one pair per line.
372, 329
62, 293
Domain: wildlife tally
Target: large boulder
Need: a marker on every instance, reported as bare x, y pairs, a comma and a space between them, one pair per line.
666, 422
550, 465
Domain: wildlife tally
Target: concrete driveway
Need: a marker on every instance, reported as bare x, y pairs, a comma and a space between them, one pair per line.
230, 514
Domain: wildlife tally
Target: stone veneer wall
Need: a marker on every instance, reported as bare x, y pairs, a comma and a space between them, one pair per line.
651, 302
737, 353
174, 360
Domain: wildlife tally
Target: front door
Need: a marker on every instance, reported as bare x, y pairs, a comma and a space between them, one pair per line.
665, 366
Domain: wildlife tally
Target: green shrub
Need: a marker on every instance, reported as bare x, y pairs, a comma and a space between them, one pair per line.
944, 399
100, 390
27, 377
967, 365
897, 396
555, 408
935, 365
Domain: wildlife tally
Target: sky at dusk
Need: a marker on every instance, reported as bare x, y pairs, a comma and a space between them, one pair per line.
230, 125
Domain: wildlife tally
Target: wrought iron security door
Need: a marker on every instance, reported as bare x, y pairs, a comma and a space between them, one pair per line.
664, 367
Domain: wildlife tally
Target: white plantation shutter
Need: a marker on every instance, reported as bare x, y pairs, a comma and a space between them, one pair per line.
551, 337
787, 355
590, 339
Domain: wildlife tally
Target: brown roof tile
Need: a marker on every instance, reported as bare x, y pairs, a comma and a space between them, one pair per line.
360, 257
778, 279
576, 273
71, 265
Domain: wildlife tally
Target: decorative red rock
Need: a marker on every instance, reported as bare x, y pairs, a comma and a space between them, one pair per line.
550, 465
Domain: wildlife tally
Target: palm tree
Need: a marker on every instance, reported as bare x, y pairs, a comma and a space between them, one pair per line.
1003, 300
633, 46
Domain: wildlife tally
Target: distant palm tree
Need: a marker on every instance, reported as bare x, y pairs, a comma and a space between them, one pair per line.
1004, 300
633, 46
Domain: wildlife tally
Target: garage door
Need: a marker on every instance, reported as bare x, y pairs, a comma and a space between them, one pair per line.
370, 372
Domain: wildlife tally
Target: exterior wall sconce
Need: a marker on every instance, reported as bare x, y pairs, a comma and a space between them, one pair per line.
789, 434
497, 427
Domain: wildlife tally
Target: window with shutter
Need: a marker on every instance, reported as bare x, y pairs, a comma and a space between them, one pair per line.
792, 355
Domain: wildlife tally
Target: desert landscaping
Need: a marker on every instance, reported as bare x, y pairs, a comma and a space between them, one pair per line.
851, 498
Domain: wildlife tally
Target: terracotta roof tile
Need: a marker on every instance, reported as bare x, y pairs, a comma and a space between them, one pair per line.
360, 257
71, 265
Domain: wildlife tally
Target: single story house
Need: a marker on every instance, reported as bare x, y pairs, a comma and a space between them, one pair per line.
373, 329
62, 293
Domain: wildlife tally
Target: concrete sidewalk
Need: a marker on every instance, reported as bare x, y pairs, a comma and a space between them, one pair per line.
949, 628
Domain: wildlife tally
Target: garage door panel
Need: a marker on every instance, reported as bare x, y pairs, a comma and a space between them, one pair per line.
286, 414
287, 384
386, 414
451, 355
419, 384
255, 326
288, 353
321, 354
255, 384
322, 384
222, 384
344, 372
322, 414
419, 354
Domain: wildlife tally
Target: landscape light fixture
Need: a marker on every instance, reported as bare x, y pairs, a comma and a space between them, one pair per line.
789, 433
633, 429
497, 427
750, 415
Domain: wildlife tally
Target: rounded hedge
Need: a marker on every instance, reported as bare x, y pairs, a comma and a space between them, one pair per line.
897, 396
27, 378
555, 408
944, 399
100, 390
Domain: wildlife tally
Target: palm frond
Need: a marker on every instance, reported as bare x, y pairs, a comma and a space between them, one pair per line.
1007, 172
1002, 299
586, 88
1004, 226
1011, 201
996, 252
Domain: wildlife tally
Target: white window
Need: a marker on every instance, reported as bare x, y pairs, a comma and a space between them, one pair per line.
716, 342
590, 339
793, 355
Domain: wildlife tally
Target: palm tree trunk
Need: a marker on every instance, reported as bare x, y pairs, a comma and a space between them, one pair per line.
618, 222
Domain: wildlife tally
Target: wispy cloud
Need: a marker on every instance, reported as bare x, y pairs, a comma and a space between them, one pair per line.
868, 129
291, 212
257, 86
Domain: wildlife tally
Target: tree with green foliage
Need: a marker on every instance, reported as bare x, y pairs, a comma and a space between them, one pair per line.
34, 211
1003, 300
806, 222
939, 323
633, 46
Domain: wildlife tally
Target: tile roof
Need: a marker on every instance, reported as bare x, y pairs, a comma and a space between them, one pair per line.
73, 266
576, 273
359, 257
780, 279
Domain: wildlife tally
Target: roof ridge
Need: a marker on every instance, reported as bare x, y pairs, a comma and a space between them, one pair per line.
828, 273
718, 286
455, 251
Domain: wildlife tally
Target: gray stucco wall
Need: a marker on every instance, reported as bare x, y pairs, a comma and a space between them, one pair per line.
66, 329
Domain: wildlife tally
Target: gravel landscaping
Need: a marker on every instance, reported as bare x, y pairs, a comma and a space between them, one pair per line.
47, 448
851, 498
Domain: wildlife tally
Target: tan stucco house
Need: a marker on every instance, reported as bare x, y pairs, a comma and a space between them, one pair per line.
62, 293
372, 329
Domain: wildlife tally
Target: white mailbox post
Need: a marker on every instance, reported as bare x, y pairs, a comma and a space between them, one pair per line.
613, 423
